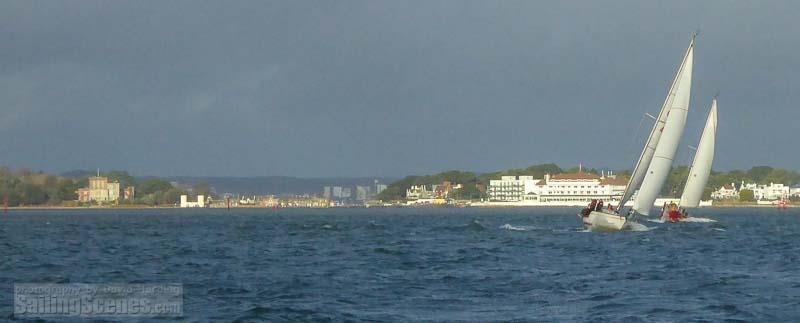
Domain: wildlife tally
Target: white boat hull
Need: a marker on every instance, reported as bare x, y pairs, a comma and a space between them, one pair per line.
602, 221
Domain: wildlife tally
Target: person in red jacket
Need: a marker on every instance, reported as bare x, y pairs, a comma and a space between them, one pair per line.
674, 214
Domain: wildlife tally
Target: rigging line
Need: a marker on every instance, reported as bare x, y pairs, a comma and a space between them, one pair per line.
636, 135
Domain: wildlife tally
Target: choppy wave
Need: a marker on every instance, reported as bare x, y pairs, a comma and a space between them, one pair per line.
518, 228
421, 264
689, 219
472, 226
635, 226
698, 220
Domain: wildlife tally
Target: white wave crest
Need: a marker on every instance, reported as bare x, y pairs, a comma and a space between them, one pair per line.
633, 226
517, 228
698, 220
689, 219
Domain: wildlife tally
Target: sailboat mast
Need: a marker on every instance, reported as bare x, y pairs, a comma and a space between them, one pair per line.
640, 169
664, 154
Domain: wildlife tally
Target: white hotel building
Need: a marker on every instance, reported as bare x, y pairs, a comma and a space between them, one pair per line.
569, 189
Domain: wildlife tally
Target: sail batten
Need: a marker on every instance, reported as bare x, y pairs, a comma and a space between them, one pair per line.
701, 165
646, 157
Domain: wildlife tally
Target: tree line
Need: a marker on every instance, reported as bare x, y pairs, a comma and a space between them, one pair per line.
474, 183
25, 187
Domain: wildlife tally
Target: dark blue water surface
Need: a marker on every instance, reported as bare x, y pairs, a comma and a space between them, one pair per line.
419, 264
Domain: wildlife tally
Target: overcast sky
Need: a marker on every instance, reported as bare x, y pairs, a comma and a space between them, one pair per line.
389, 88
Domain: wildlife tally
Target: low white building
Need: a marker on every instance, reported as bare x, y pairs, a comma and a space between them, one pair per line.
201, 201
726, 192
417, 192
513, 188
769, 192
569, 189
795, 191
581, 188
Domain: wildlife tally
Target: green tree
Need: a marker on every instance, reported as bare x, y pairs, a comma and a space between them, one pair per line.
676, 180
153, 185
202, 188
171, 196
67, 189
122, 177
759, 173
31, 194
706, 193
746, 195
468, 192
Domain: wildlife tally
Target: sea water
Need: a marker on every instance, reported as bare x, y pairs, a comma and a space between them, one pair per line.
419, 264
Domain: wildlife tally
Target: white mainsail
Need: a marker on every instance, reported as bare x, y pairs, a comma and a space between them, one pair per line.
671, 133
646, 157
701, 166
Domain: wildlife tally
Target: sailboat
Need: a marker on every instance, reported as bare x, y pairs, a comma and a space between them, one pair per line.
701, 166
655, 161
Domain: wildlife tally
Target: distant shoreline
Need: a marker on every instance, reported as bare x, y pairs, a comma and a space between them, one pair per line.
33, 208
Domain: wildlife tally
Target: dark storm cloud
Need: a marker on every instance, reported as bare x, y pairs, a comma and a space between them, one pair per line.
353, 88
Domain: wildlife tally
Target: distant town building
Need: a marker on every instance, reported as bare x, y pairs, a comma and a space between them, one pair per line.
247, 200
417, 192
761, 192
99, 190
304, 203
726, 192
795, 190
513, 188
201, 201
769, 192
326, 192
129, 193
427, 192
337, 192
362, 193
570, 188
445, 189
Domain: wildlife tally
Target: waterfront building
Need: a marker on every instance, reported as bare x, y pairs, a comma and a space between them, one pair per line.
337, 192
428, 192
129, 193
326, 192
347, 192
513, 188
304, 202
769, 192
201, 201
269, 201
561, 189
794, 191
444, 190
417, 192
362, 193
726, 192
99, 190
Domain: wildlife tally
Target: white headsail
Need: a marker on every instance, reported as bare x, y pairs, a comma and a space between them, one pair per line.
701, 166
646, 157
671, 133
